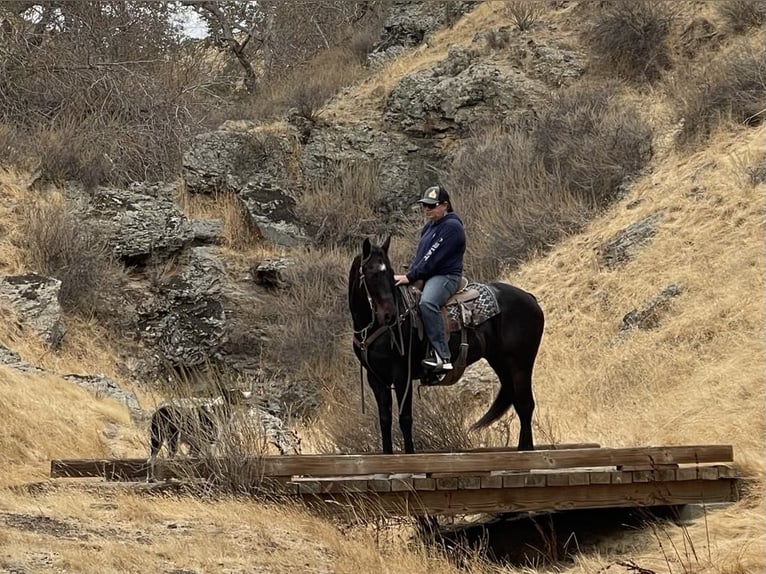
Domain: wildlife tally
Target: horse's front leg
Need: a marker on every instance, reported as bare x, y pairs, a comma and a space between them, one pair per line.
383, 397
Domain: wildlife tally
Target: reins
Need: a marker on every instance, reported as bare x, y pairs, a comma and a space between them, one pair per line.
363, 339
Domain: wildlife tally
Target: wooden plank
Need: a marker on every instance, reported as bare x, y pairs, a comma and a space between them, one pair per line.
424, 484
469, 482
620, 477
600, 477
552, 498
646, 466
334, 465
402, 484
688, 473
126, 469
562, 446
707, 473
491, 481
319, 465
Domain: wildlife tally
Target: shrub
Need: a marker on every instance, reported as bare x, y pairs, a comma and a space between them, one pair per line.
520, 191
305, 321
592, 141
741, 15
732, 87
344, 207
523, 13
630, 38
56, 242
309, 90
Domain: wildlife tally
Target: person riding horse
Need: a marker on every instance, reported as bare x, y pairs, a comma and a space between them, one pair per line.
438, 263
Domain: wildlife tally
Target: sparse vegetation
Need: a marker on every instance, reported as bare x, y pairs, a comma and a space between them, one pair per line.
730, 88
345, 207
55, 242
742, 15
524, 13
630, 39
585, 144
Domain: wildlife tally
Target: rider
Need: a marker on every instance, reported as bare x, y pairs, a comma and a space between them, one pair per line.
439, 263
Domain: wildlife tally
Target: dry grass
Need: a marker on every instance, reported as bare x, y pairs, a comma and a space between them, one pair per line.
696, 378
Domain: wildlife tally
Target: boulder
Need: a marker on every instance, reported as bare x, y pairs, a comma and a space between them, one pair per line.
141, 221
34, 299
461, 93
102, 385
252, 162
183, 322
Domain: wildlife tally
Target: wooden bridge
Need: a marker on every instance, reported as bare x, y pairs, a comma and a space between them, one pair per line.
559, 477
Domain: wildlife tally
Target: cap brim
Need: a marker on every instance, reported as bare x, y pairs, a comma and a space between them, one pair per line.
428, 201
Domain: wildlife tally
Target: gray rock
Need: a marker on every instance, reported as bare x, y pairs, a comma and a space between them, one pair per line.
624, 246
461, 93
650, 315
141, 221
410, 21
102, 385
253, 165
207, 231
184, 322
269, 273
13, 360
34, 298
330, 146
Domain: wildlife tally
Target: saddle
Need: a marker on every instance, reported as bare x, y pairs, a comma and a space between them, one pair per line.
468, 307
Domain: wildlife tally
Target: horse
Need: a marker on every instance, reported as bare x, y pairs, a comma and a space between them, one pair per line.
196, 422
387, 345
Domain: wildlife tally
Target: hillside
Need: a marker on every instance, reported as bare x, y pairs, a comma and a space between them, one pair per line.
620, 365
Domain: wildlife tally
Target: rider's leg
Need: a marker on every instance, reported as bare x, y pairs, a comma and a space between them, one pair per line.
435, 293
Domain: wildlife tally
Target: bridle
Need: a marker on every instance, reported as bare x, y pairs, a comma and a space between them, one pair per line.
363, 338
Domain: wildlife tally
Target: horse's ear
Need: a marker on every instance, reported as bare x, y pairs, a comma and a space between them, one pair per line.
385, 245
366, 248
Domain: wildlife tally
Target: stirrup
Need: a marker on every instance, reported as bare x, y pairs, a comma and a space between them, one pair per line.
436, 364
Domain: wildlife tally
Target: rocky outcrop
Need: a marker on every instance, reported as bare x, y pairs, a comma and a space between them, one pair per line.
624, 246
459, 93
140, 222
13, 359
103, 386
397, 156
252, 163
34, 299
410, 21
650, 315
183, 321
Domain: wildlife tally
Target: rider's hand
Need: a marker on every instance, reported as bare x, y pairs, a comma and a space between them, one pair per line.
401, 280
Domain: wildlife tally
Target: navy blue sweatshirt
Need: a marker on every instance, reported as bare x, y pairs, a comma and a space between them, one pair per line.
441, 249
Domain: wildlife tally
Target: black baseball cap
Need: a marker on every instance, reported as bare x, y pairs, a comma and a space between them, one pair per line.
433, 195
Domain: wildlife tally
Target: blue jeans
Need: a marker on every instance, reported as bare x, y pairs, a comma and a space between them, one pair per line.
436, 291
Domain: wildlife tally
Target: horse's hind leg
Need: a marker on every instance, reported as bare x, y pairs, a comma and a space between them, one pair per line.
524, 403
515, 390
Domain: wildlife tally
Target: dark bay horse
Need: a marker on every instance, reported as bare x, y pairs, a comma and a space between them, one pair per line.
390, 350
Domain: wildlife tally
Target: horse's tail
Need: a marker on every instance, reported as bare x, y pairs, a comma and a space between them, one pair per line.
503, 401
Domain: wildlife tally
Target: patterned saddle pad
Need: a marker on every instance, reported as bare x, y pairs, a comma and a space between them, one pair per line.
471, 311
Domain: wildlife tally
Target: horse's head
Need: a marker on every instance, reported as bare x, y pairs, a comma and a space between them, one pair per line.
376, 276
